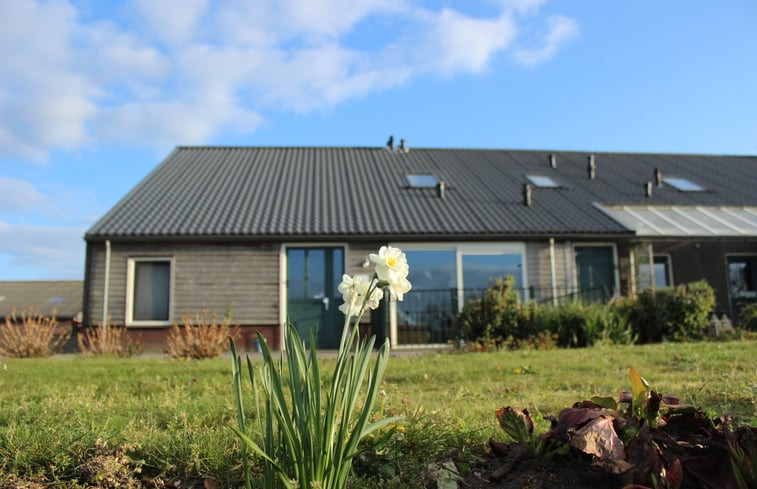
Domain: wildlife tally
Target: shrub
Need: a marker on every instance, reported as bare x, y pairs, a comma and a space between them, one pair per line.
109, 340
34, 336
673, 313
493, 316
748, 317
203, 338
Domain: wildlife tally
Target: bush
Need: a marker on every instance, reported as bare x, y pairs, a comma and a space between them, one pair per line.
34, 336
203, 338
748, 317
493, 316
110, 340
674, 313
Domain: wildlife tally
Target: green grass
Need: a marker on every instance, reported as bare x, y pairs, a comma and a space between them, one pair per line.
174, 417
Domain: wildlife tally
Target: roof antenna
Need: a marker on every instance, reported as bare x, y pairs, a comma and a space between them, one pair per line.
553, 160
592, 168
390, 143
527, 193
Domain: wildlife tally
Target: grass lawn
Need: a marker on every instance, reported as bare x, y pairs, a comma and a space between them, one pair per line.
172, 418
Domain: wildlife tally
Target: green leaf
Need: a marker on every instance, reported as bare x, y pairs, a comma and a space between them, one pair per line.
605, 402
639, 393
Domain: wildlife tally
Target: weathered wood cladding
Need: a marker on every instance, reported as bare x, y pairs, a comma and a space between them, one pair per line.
242, 278
540, 273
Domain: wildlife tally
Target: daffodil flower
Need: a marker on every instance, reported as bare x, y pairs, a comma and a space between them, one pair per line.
358, 295
392, 270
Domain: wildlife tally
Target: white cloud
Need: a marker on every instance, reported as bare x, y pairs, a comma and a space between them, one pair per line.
560, 30
173, 21
44, 252
195, 68
461, 43
20, 196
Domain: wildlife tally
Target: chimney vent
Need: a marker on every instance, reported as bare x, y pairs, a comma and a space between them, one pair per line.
592, 168
658, 177
553, 161
440, 190
527, 195
648, 189
403, 146
390, 143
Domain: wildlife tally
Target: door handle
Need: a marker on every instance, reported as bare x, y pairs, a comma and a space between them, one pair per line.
325, 301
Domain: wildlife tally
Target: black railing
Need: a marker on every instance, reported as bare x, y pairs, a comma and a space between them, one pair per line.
428, 316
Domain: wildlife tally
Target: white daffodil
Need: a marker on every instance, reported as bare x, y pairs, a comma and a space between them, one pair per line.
391, 263
355, 292
392, 268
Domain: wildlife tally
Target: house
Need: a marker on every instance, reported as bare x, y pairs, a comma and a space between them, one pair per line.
59, 298
266, 233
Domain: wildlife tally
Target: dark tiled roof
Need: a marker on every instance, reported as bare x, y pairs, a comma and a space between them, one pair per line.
62, 296
291, 192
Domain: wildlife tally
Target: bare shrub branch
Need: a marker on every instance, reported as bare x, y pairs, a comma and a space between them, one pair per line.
204, 337
34, 336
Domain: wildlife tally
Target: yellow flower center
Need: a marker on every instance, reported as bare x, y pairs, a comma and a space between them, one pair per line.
391, 261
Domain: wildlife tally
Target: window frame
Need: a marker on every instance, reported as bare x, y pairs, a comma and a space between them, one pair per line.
543, 181
683, 184
669, 267
476, 248
413, 182
130, 284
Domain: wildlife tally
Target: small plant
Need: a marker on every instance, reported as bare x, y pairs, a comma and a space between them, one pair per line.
34, 336
204, 337
311, 437
644, 438
107, 340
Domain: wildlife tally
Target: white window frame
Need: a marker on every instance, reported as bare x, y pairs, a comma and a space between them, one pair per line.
130, 275
460, 249
669, 259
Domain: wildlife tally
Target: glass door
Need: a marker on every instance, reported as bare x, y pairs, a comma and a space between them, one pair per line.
595, 272
313, 275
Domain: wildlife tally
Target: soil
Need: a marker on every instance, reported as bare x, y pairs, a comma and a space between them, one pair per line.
540, 474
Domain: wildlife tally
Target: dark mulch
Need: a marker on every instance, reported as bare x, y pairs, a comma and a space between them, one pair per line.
540, 474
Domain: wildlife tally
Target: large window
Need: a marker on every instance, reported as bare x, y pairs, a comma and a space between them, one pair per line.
149, 291
444, 277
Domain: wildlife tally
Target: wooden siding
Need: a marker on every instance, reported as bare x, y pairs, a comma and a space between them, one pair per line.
539, 273
242, 278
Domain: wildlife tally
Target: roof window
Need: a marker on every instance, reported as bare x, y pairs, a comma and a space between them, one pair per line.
683, 185
422, 180
542, 181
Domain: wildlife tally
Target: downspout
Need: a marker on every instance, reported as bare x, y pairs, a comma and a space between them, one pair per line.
552, 272
106, 290
650, 251
632, 271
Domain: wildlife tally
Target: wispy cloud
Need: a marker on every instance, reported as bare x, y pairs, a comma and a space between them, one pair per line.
42, 252
560, 30
180, 72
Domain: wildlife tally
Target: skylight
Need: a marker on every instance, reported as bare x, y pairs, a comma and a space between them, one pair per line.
542, 181
682, 184
422, 180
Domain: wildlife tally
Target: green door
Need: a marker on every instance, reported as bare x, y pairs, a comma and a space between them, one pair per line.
595, 270
313, 275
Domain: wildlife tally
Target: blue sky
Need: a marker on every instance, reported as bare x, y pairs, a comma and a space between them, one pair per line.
93, 94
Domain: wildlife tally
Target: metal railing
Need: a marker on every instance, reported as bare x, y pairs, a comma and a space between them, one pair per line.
428, 316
